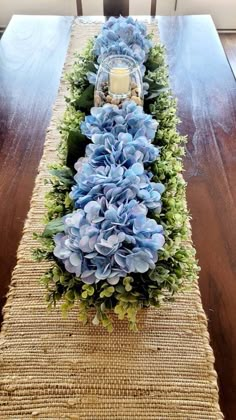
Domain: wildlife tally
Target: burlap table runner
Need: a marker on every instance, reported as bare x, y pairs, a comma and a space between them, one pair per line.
52, 368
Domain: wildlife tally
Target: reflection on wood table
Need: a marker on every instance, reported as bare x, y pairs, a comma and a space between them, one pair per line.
229, 43
32, 53
205, 87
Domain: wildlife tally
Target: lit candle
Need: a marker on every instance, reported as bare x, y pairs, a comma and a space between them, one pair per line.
119, 81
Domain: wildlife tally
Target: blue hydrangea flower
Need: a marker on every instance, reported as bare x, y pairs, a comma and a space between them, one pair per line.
110, 235
106, 242
91, 76
110, 119
117, 184
126, 150
114, 164
123, 36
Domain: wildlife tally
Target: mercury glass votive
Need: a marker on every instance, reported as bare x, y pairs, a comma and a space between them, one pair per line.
118, 79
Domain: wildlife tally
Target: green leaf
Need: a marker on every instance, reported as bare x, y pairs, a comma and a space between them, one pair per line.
107, 292
76, 144
65, 175
86, 100
127, 280
67, 201
120, 288
53, 227
90, 66
84, 294
152, 64
154, 93
88, 290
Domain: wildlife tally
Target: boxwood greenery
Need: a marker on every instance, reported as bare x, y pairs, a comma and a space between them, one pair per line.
177, 266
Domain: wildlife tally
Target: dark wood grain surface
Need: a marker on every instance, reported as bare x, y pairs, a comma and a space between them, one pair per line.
31, 58
229, 44
205, 87
32, 53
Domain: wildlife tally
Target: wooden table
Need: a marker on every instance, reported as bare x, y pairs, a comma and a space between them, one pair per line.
31, 57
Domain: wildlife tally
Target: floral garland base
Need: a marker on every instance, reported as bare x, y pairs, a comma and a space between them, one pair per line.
117, 227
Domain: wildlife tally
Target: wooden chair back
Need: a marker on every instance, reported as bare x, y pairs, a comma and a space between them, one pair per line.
111, 7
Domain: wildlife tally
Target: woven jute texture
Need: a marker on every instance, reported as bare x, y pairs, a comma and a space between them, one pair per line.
53, 368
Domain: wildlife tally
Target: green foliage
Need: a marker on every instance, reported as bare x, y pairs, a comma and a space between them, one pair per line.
86, 100
64, 176
46, 250
76, 144
77, 78
53, 227
71, 121
177, 266
57, 200
107, 292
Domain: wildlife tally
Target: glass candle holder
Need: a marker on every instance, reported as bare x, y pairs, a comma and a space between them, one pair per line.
118, 79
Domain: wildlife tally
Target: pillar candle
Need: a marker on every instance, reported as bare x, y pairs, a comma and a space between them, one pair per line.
119, 81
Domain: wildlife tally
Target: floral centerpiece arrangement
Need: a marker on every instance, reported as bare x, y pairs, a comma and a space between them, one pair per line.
117, 225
